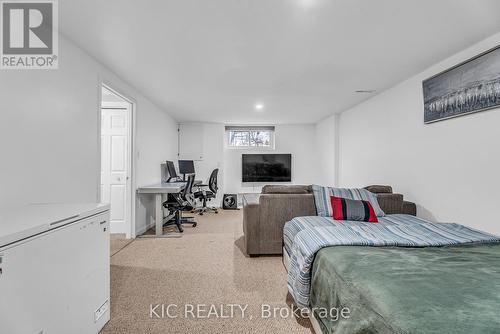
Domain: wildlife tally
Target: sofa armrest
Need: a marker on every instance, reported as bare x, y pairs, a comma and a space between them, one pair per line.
390, 203
409, 208
275, 211
251, 227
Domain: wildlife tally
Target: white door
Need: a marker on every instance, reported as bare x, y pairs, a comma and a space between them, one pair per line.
115, 174
191, 141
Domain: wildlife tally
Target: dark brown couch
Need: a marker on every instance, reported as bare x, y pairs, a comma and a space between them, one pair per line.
265, 214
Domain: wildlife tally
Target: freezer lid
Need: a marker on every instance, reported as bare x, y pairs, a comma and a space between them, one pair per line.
25, 221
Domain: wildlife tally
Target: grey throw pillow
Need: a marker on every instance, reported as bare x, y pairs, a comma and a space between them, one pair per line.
324, 206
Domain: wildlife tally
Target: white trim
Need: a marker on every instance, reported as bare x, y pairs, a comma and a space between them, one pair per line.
144, 229
99, 153
115, 105
132, 159
271, 147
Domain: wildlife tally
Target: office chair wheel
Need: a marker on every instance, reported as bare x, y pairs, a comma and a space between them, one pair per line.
216, 211
201, 213
194, 224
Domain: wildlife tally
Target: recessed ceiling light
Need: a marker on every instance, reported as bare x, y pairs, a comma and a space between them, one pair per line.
366, 91
259, 106
307, 3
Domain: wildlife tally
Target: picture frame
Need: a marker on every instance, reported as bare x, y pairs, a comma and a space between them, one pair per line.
469, 87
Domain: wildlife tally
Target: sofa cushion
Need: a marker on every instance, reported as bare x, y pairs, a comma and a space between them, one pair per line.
409, 208
324, 206
378, 189
286, 189
390, 203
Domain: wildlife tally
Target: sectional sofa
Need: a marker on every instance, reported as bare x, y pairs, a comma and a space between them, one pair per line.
265, 214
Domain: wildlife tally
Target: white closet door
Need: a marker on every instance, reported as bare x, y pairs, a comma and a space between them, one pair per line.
114, 173
191, 141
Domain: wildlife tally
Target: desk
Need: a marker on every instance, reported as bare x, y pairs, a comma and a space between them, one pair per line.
159, 190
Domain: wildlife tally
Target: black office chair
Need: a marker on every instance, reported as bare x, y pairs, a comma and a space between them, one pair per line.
207, 195
179, 202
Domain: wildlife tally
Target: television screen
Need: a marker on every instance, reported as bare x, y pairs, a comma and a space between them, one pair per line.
266, 167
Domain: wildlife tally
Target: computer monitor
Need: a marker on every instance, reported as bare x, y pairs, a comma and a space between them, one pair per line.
186, 167
171, 170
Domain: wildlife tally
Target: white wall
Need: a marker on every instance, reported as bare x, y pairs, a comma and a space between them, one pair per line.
297, 139
327, 147
450, 168
156, 143
49, 132
211, 138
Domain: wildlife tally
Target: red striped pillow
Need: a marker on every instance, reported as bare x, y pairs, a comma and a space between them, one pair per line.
349, 209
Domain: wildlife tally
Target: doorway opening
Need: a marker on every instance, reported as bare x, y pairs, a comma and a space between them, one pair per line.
116, 179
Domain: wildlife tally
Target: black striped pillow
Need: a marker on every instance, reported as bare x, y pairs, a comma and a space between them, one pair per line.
349, 209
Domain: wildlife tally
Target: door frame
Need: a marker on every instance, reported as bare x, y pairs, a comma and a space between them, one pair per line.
131, 161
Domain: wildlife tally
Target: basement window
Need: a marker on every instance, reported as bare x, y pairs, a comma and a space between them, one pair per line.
250, 137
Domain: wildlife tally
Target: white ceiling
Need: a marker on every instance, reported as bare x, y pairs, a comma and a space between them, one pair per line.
212, 60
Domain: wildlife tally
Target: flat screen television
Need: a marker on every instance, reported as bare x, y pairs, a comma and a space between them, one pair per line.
266, 167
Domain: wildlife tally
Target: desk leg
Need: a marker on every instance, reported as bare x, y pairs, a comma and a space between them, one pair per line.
158, 215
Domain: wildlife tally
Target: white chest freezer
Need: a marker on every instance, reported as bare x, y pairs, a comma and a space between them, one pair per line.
54, 269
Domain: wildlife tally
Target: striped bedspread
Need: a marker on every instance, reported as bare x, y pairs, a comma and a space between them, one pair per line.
305, 236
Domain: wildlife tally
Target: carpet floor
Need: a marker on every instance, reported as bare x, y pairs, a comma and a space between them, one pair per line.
202, 271
118, 242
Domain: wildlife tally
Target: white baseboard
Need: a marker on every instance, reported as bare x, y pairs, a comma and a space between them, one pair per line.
144, 229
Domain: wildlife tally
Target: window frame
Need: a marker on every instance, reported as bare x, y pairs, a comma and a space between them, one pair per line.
249, 129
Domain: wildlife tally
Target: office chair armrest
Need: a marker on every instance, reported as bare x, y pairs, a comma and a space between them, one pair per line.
184, 203
190, 199
200, 186
178, 198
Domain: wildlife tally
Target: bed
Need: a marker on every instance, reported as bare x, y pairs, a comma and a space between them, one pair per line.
402, 275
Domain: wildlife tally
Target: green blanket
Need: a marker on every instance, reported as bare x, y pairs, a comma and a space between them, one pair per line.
409, 290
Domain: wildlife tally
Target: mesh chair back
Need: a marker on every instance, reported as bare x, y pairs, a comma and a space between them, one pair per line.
212, 181
188, 189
